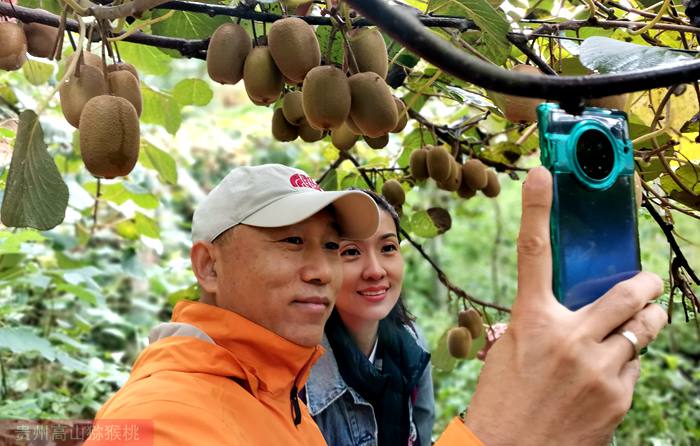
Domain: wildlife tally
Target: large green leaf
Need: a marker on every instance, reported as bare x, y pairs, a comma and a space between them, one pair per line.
192, 92
487, 18
35, 194
606, 55
119, 193
152, 157
186, 25
422, 225
161, 109
48, 5
37, 73
146, 59
23, 339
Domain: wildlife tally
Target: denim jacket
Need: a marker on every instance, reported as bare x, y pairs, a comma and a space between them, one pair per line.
347, 419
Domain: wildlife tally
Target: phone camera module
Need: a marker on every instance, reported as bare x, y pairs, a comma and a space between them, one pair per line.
595, 154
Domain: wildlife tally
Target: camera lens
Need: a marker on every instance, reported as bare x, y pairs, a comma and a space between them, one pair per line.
595, 154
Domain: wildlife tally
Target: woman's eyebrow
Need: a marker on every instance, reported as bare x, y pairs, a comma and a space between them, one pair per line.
389, 235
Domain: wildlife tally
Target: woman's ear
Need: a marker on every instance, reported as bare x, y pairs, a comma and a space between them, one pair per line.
203, 257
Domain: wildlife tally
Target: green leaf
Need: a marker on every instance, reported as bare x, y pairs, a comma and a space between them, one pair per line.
192, 92
78, 291
485, 16
119, 193
146, 59
688, 173
330, 181
23, 339
606, 55
37, 73
189, 293
146, 226
159, 160
35, 194
47, 5
422, 225
337, 52
160, 109
186, 25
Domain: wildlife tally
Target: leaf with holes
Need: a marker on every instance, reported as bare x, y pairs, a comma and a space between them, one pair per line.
35, 194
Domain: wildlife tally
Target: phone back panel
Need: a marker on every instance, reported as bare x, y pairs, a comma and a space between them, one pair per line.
594, 238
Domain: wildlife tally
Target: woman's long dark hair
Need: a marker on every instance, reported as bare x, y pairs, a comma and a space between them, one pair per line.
399, 313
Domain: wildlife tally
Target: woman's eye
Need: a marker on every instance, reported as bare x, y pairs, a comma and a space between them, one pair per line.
350, 252
389, 248
293, 240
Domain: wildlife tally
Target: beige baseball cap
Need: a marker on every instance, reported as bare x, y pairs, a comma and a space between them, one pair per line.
273, 195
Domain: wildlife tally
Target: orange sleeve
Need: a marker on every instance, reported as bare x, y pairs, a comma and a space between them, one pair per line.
457, 434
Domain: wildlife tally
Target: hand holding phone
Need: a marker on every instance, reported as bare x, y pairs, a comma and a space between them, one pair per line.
594, 216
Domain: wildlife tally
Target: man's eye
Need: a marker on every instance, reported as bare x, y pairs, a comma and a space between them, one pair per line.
332, 246
293, 240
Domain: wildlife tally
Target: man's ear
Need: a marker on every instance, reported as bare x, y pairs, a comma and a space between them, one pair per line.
203, 257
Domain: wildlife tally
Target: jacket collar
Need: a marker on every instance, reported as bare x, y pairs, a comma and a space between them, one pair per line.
325, 385
268, 361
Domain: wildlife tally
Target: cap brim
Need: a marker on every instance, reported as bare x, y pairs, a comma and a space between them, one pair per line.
356, 212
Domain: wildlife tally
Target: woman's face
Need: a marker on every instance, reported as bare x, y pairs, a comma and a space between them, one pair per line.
372, 275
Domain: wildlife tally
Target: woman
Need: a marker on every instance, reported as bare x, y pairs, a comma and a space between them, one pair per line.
373, 386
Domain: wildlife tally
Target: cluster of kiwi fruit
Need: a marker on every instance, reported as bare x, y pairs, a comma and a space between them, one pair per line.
104, 103
449, 174
18, 39
470, 326
521, 109
318, 98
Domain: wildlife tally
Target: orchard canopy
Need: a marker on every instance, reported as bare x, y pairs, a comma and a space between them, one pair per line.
116, 117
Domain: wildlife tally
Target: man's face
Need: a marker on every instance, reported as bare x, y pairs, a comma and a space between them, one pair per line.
284, 279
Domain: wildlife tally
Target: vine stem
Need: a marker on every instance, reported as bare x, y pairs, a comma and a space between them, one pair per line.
653, 21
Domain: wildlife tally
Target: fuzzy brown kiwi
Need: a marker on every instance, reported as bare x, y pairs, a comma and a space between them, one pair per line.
464, 190
343, 138
394, 193
369, 49
228, 48
75, 92
474, 174
618, 102
403, 115
294, 47
451, 184
377, 143
282, 130
373, 109
125, 85
109, 136
522, 109
493, 187
471, 320
292, 107
13, 51
262, 79
308, 133
40, 39
439, 163
352, 126
419, 164
459, 342
326, 97
441, 219
124, 66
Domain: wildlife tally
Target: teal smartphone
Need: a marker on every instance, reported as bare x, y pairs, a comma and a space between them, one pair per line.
593, 224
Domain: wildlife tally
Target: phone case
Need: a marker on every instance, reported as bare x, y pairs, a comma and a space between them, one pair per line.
594, 216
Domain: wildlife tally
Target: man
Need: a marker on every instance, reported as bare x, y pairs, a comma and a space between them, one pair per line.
227, 369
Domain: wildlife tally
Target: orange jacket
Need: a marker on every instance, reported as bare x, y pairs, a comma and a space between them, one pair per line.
213, 377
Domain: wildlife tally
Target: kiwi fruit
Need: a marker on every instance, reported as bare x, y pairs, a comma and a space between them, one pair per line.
403, 115
308, 133
343, 138
377, 143
89, 58
369, 49
124, 66
464, 190
352, 126
393, 192
282, 130
262, 79
439, 163
292, 107
518, 108
474, 174
75, 92
373, 109
40, 39
326, 97
419, 164
617, 102
13, 51
294, 47
471, 320
228, 48
493, 187
459, 342
441, 219
125, 85
109, 136
451, 184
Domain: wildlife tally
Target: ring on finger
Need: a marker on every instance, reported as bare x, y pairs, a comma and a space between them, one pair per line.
632, 338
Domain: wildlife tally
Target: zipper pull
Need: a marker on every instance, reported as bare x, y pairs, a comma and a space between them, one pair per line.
296, 410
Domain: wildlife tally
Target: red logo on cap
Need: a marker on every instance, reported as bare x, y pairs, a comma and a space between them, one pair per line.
301, 180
